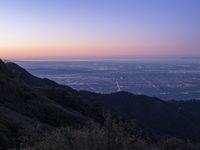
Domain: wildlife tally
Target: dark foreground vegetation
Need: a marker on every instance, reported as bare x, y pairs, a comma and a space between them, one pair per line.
39, 114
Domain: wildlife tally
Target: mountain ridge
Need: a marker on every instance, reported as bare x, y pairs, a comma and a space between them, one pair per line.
26, 100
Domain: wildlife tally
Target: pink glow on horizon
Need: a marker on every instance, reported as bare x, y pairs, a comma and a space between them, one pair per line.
96, 50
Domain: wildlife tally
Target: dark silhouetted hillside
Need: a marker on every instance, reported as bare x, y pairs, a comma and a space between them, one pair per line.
23, 105
41, 114
163, 118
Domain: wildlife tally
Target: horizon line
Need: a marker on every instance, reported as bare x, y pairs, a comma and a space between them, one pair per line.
100, 59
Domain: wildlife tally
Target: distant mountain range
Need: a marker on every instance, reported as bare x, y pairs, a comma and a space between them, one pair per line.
27, 101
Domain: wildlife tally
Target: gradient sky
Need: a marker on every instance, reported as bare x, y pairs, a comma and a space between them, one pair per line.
34, 29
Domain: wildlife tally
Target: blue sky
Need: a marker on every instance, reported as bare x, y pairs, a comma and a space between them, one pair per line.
92, 28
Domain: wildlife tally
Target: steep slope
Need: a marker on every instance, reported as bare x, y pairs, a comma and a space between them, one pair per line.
22, 105
28, 100
31, 80
63, 95
155, 115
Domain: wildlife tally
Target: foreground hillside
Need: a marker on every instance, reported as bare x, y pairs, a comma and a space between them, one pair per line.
41, 114
174, 118
25, 103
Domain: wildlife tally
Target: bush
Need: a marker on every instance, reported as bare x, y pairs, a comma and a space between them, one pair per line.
112, 135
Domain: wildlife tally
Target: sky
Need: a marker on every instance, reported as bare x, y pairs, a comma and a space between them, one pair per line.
44, 29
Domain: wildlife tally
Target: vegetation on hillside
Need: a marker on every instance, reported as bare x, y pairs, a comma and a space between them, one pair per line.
39, 114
